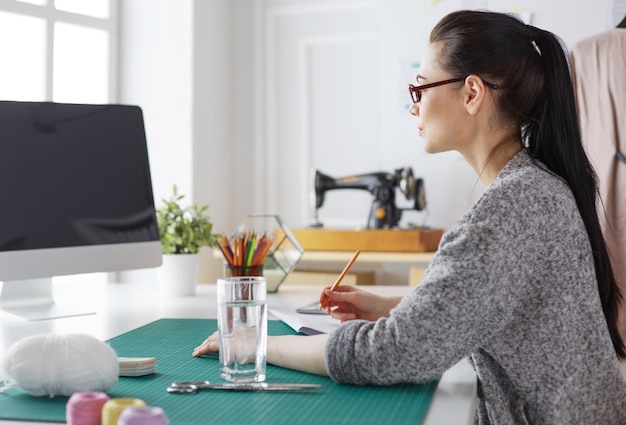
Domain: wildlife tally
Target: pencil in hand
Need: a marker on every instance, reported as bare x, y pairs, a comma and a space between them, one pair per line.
339, 279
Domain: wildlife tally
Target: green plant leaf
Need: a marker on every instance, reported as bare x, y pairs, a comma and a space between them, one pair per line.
183, 230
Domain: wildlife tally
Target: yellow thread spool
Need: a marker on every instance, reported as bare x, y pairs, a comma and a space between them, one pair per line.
113, 408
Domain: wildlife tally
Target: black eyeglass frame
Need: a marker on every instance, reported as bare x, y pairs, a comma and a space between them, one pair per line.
416, 91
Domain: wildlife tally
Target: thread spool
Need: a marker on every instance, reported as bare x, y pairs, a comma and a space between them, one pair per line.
113, 408
143, 416
85, 408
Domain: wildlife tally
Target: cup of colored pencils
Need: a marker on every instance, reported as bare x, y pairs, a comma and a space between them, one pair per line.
244, 253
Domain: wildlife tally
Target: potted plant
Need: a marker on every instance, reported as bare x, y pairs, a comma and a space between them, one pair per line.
183, 231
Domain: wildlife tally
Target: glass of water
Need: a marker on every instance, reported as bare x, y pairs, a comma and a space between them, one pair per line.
242, 323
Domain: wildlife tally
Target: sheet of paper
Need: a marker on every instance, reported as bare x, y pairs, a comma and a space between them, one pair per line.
310, 324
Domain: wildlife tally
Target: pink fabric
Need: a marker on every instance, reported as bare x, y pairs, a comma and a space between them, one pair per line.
599, 74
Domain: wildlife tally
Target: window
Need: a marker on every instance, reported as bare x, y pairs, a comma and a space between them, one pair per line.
59, 50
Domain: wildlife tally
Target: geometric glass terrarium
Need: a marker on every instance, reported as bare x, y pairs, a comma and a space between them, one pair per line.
285, 251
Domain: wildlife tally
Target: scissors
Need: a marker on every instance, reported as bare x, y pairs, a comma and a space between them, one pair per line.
191, 387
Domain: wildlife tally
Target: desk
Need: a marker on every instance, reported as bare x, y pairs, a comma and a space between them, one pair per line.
123, 307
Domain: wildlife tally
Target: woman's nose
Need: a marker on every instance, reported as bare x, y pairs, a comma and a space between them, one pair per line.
414, 109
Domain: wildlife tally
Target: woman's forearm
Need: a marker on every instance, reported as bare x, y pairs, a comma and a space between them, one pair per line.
303, 353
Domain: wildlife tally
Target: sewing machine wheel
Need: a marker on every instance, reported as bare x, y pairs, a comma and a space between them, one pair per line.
413, 188
420, 195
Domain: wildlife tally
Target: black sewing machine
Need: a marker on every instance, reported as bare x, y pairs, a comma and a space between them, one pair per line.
384, 214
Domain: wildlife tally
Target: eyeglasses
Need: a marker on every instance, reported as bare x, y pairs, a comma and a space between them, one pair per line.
416, 91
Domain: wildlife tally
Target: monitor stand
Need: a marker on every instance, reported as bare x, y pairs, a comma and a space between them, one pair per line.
32, 300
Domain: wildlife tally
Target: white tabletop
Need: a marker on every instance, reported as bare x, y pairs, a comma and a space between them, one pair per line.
120, 308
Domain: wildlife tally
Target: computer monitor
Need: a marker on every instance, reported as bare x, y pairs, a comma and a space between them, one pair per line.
75, 197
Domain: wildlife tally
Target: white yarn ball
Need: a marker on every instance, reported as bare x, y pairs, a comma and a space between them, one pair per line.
60, 365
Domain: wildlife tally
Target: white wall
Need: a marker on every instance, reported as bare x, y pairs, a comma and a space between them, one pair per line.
156, 73
212, 119
200, 68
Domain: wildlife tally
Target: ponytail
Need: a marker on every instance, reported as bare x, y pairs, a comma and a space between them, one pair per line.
553, 137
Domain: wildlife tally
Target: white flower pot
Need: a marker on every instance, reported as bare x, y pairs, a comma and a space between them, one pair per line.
178, 275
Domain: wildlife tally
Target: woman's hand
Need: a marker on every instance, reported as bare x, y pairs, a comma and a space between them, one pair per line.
350, 303
210, 345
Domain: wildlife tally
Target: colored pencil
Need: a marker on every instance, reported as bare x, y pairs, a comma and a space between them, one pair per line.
340, 278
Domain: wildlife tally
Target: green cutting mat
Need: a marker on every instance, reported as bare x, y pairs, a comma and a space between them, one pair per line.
171, 341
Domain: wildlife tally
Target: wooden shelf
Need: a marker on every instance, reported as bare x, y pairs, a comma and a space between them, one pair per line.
371, 240
368, 257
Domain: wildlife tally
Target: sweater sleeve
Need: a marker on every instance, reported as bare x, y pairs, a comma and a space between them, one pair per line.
465, 298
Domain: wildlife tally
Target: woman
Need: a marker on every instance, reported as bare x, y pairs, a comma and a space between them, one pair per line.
522, 285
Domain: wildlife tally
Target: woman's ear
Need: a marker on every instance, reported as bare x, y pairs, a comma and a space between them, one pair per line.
474, 94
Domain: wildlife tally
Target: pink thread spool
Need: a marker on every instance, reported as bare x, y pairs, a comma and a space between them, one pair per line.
143, 416
85, 408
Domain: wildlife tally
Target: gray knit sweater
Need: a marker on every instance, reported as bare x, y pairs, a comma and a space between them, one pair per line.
513, 288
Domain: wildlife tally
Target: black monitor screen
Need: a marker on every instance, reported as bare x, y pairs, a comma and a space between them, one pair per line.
73, 175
